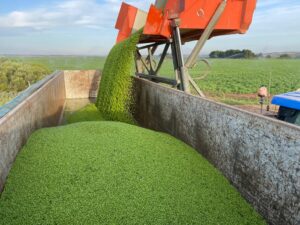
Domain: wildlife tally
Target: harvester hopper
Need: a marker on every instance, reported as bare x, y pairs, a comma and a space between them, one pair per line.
175, 22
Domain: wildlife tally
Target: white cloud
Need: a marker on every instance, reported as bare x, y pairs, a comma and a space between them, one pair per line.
69, 13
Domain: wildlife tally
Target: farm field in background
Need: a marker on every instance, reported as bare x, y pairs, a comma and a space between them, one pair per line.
232, 81
236, 81
66, 62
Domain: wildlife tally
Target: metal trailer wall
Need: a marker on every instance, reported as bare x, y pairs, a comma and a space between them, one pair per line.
41, 105
81, 83
260, 156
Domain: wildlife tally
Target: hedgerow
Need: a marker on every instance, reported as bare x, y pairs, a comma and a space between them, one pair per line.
16, 76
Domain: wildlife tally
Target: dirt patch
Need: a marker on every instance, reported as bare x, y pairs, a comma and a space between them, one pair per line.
242, 96
257, 109
247, 102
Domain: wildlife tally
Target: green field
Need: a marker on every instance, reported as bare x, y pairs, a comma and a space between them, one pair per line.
236, 81
240, 76
66, 62
233, 81
102, 173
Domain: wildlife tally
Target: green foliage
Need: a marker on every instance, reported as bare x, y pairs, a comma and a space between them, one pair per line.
17, 76
102, 173
88, 113
6, 96
2, 59
285, 56
3, 82
233, 53
114, 97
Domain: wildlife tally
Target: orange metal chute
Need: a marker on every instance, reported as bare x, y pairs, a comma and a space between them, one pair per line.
130, 19
194, 16
125, 21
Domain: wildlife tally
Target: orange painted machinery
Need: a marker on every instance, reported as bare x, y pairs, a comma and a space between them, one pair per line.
194, 17
175, 22
130, 20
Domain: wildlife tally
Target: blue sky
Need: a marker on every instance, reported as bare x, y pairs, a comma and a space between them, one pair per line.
86, 27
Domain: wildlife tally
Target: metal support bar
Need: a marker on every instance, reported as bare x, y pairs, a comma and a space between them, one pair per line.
138, 62
206, 34
196, 86
142, 61
158, 79
162, 58
150, 58
175, 65
149, 62
184, 81
150, 45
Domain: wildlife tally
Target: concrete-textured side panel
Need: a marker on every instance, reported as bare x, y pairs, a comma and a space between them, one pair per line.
43, 108
81, 83
260, 156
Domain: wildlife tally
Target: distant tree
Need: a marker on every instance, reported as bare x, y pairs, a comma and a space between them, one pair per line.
233, 53
269, 57
285, 56
248, 54
216, 54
